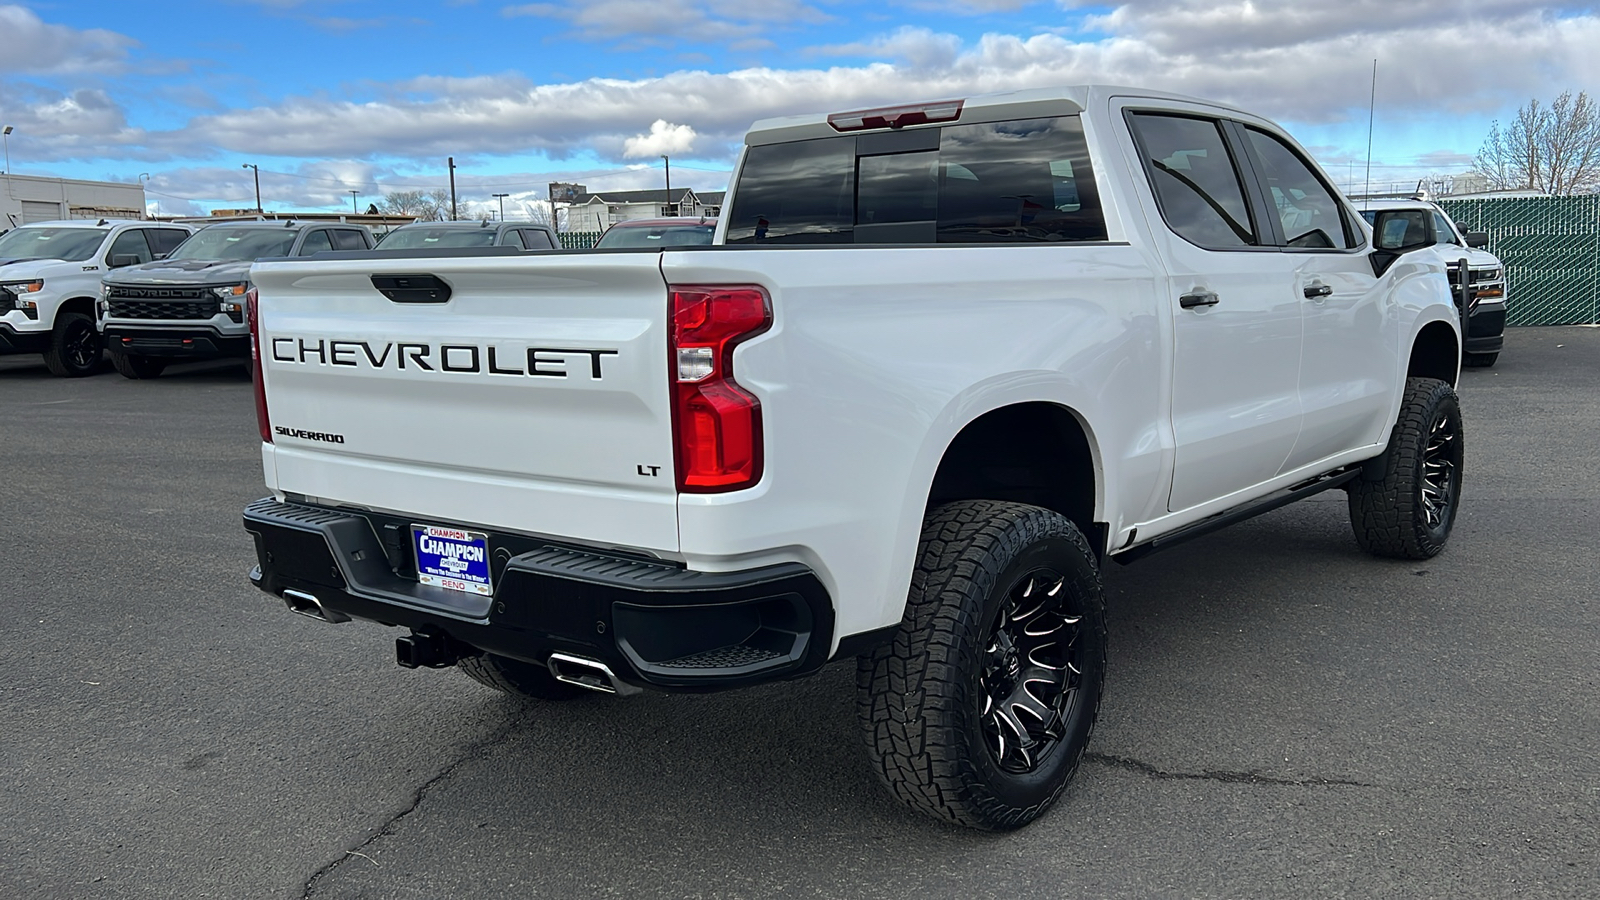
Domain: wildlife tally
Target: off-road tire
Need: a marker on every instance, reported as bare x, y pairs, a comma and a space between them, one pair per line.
514, 676
137, 367
1409, 513
1480, 360
924, 700
74, 346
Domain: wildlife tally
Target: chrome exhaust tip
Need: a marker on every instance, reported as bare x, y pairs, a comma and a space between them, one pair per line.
312, 608
589, 673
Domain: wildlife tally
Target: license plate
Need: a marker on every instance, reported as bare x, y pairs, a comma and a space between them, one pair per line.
452, 559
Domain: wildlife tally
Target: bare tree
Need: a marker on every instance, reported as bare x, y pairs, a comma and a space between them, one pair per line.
1554, 149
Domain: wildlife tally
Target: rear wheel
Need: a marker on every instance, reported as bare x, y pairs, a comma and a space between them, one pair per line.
74, 346
516, 677
979, 710
1409, 513
134, 366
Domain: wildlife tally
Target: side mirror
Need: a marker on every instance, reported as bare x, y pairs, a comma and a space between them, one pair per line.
1477, 239
119, 260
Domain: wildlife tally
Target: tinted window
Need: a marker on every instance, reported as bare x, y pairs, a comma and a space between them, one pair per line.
224, 242
513, 238
1442, 232
414, 237
165, 240
68, 244
1028, 180
799, 193
316, 241
1310, 215
1001, 182
536, 239
1195, 180
348, 239
129, 243
654, 237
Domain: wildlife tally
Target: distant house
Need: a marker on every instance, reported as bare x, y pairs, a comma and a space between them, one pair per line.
597, 212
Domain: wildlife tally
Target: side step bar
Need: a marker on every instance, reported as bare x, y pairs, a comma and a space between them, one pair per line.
1238, 514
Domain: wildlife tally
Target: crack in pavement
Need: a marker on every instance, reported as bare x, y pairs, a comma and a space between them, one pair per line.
1224, 777
474, 752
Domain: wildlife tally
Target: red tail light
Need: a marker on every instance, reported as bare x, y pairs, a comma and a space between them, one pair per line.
251, 303
716, 424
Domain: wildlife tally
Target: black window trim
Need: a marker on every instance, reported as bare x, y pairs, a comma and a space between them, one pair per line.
1249, 185
1353, 232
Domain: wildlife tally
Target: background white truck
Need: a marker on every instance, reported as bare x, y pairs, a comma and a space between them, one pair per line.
50, 281
943, 360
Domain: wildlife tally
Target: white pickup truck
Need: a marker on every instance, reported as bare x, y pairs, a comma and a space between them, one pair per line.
941, 362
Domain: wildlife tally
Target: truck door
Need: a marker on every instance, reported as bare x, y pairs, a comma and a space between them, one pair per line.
1347, 365
1236, 330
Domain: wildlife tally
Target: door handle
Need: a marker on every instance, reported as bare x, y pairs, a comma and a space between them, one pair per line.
1316, 291
1198, 298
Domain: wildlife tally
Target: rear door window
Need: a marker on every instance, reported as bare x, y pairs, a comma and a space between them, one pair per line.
165, 240
1196, 180
535, 239
348, 239
999, 182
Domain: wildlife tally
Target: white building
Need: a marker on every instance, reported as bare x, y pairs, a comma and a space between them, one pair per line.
29, 198
597, 212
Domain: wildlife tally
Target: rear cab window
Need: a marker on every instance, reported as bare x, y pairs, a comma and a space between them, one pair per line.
1022, 181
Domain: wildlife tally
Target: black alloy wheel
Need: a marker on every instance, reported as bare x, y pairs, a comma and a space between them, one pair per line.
1031, 672
74, 346
1404, 505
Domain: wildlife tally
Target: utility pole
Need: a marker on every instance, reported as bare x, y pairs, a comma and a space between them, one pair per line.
452, 163
144, 181
257, 170
667, 160
353, 195
502, 199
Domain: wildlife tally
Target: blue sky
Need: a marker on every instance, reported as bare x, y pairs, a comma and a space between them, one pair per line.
327, 96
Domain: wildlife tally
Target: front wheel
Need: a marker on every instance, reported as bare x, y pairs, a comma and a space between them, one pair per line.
1408, 513
979, 710
74, 346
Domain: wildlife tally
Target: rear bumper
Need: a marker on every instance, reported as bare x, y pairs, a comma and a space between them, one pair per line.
651, 623
14, 341
176, 340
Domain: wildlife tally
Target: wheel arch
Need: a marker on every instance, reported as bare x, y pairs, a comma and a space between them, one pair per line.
1034, 451
1435, 353
83, 305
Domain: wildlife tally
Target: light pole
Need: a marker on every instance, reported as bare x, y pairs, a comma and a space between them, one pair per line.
502, 199
451, 161
667, 161
7, 134
353, 195
258, 184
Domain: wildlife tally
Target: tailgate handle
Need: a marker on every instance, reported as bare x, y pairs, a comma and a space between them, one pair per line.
412, 288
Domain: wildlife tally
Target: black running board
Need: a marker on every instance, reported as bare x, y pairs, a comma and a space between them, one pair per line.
1238, 514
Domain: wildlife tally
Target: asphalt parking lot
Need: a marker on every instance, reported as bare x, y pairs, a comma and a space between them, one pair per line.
1285, 717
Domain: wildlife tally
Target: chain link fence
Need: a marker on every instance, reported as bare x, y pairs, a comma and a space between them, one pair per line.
1551, 250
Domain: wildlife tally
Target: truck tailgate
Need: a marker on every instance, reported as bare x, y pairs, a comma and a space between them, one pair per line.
534, 399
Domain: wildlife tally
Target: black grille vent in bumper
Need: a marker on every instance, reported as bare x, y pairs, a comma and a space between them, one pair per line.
163, 309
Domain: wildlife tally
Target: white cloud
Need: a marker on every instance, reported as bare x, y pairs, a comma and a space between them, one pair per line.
664, 138
670, 22
32, 46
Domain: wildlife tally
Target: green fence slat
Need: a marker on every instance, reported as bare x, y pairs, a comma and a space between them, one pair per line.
1551, 250
578, 240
